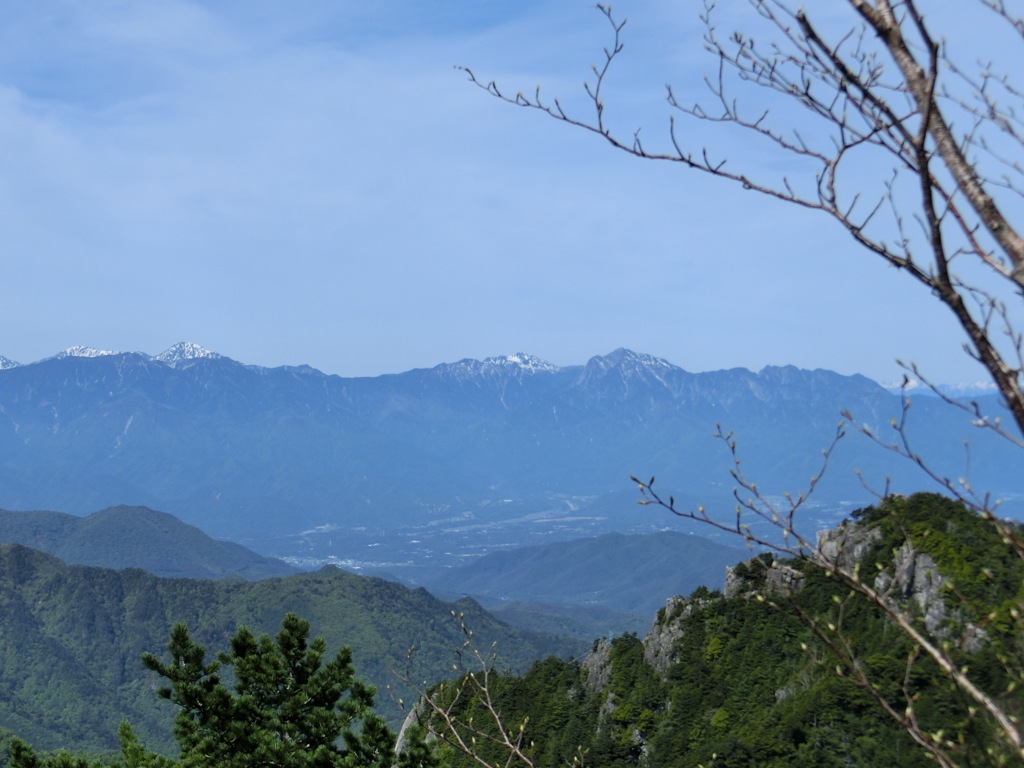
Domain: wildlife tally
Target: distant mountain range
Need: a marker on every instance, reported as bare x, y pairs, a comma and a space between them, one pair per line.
962, 390
449, 462
182, 351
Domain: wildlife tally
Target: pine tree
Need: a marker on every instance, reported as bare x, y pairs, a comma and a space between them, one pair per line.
286, 708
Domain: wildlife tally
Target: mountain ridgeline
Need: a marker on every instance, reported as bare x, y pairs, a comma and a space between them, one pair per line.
137, 537
292, 461
584, 587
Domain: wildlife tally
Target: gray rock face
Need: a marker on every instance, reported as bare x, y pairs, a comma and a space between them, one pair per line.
665, 634
779, 578
848, 544
598, 666
733, 583
912, 579
784, 579
915, 578
417, 716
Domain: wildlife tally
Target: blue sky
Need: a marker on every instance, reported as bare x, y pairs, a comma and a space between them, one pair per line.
314, 182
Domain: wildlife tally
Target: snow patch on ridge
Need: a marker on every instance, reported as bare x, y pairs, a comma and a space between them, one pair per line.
80, 351
516, 364
180, 352
629, 360
630, 363
963, 389
185, 350
6, 362
521, 361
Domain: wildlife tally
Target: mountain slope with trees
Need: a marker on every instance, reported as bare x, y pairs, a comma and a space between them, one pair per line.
73, 637
747, 678
267, 702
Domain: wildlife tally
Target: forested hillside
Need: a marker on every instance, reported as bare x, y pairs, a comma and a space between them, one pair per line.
72, 637
741, 679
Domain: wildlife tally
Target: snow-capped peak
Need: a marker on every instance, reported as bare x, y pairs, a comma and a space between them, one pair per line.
517, 364
184, 350
629, 360
522, 361
80, 351
969, 389
6, 362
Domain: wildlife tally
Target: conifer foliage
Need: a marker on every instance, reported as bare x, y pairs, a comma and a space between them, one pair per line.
278, 703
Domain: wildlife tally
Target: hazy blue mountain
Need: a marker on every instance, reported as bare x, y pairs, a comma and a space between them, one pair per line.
628, 573
584, 622
461, 458
137, 537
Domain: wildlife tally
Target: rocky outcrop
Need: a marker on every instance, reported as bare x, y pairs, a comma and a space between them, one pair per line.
912, 579
598, 666
665, 634
756, 575
847, 545
783, 579
915, 578
418, 715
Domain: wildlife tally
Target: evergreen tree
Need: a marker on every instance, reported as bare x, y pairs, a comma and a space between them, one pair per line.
286, 708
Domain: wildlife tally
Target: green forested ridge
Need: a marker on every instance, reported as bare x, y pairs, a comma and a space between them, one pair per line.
72, 637
734, 681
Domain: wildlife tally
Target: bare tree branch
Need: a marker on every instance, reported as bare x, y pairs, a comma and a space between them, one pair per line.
885, 88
